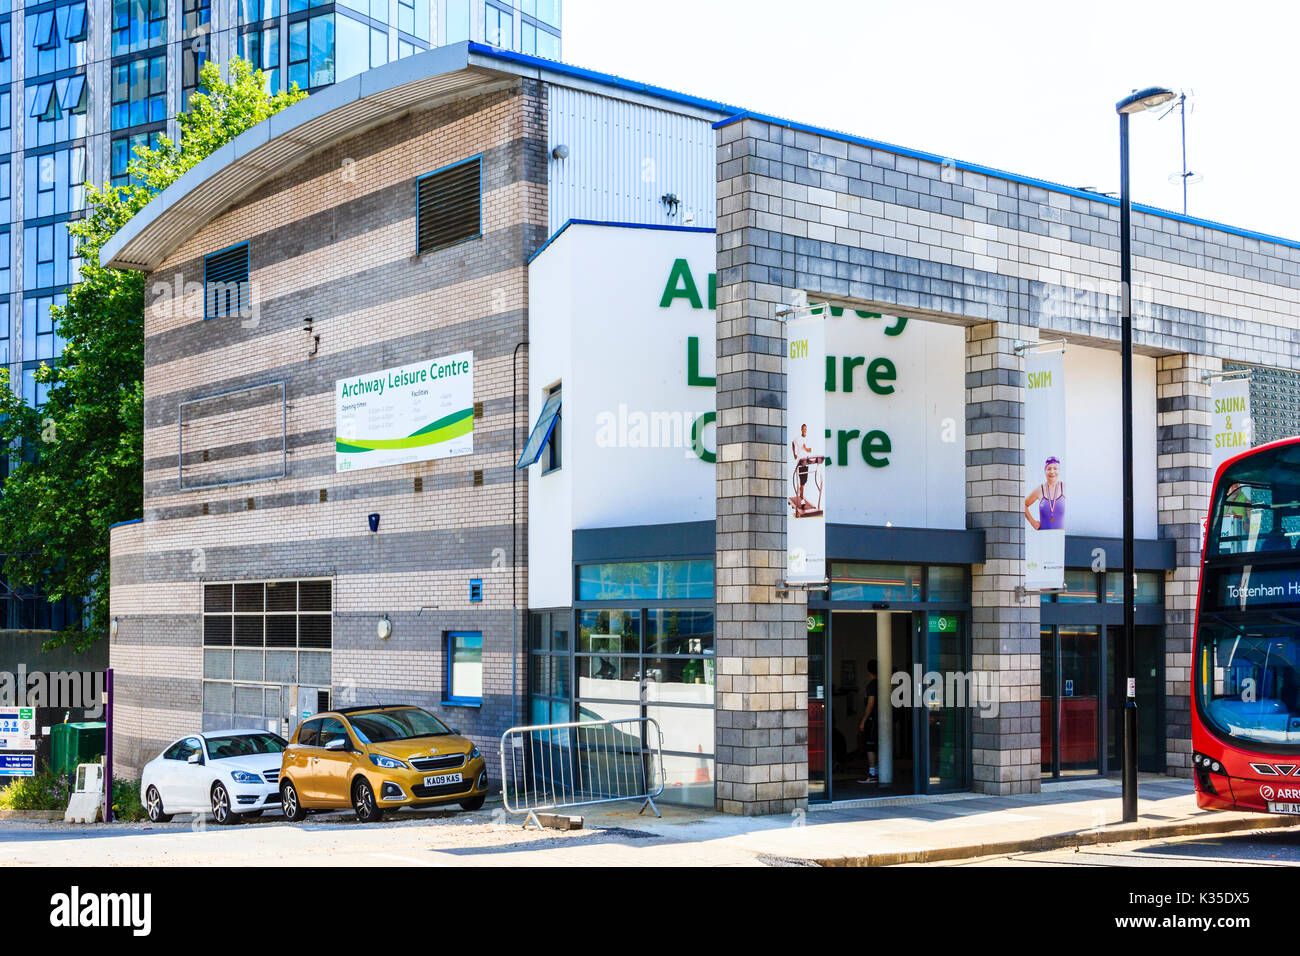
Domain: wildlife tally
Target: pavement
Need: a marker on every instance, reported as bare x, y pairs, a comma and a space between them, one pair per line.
957, 827
882, 832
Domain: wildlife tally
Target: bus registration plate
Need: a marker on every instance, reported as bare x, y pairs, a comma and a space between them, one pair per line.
1283, 807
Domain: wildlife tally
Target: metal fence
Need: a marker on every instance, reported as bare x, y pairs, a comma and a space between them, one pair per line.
557, 766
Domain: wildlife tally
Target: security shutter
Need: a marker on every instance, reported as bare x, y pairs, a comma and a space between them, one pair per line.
225, 282
449, 205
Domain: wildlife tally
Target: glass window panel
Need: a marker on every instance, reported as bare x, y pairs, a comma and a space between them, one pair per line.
282, 595
378, 48
378, 10
282, 666
457, 21
1047, 697
1080, 699
609, 632
465, 666
322, 50
875, 582
353, 54
687, 780
218, 630
248, 701
1080, 587
560, 631
538, 632
281, 630
314, 669
946, 584
218, 698
685, 729
248, 665
1146, 587
679, 631
218, 597
314, 596
646, 580
676, 680
217, 665
608, 677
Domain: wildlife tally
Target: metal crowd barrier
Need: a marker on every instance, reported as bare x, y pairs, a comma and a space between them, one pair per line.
557, 766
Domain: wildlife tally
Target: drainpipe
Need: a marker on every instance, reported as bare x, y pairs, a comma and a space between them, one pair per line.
514, 535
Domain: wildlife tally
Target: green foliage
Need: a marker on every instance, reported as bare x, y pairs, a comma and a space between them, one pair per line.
127, 807
45, 791
81, 466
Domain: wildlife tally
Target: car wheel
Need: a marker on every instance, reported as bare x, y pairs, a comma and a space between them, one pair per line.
153, 805
292, 806
363, 802
222, 812
473, 803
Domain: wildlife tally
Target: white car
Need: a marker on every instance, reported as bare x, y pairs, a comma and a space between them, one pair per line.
228, 773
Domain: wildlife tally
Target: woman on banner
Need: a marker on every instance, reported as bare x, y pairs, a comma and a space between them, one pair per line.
1050, 497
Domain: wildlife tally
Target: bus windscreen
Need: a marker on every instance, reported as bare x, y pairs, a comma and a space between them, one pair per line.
1257, 506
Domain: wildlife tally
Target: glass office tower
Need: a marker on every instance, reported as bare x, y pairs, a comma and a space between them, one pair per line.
82, 83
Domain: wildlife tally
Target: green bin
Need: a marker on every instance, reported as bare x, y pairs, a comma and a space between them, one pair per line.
71, 744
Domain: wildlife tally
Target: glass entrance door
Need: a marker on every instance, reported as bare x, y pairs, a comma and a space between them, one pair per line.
1149, 673
946, 709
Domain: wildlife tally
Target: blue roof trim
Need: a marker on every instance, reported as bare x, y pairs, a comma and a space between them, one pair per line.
737, 114
1002, 174
604, 79
616, 225
121, 523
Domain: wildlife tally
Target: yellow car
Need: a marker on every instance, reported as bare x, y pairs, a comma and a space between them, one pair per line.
378, 758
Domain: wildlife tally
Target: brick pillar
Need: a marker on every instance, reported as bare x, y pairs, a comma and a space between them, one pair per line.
1183, 476
761, 710
1004, 632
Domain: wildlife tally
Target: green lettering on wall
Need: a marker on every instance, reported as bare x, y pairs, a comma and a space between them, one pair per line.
693, 376
850, 363
831, 365
829, 460
681, 285
842, 440
881, 370
874, 447
713, 290
697, 437
897, 329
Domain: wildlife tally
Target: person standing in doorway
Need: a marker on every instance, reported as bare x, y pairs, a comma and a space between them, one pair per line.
868, 725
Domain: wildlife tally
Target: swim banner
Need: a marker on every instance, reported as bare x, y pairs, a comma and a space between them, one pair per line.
1045, 471
415, 412
805, 454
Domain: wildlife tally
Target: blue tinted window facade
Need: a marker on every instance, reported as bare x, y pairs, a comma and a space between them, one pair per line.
138, 25
139, 93
123, 151
54, 182
646, 580
48, 259
56, 40
261, 48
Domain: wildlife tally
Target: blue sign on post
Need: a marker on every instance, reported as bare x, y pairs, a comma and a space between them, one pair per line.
17, 765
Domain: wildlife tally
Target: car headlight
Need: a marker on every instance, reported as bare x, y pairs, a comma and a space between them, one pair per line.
388, 763
243, 776
473, 754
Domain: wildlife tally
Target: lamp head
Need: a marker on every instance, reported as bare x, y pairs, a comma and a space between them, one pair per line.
1148, 99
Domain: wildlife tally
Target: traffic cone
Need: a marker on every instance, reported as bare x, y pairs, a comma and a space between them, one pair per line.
702, 771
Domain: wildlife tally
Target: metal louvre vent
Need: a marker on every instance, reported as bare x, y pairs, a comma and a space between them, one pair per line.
449, 205
225, 283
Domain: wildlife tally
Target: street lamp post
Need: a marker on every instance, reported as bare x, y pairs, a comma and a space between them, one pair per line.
1135, 103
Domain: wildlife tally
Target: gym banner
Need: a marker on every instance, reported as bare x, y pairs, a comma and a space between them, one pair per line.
805, 457
1230, 419
1045, 470
416, 412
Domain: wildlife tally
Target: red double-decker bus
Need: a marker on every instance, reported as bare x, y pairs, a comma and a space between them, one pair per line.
1246, 652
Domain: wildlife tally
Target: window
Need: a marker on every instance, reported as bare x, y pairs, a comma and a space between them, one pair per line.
353, 49
331, 729
74, 94
457, 28
544, 433
44, 36
252, 11
465, 667
183, 749
197, 15
449, 205
139, 92
123, 151
191, 63
554, 444
499, 26
259, 639
309, 734
851, 581
298, 55
225, 283
77, 22
138, 25
261, 48
646, 580
44, 105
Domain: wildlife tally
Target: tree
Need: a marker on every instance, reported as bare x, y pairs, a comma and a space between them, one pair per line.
77, 463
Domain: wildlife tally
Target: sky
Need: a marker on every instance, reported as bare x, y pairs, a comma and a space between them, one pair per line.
1025, 87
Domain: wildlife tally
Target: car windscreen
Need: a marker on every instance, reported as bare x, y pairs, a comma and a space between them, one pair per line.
401, 723
245, 745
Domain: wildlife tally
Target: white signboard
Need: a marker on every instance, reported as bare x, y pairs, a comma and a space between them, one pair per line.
1045, 471
1230, 419
805, 465
17, 728
416, 412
